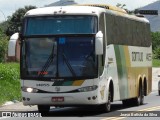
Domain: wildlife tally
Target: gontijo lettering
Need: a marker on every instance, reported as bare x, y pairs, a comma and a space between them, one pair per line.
137, 56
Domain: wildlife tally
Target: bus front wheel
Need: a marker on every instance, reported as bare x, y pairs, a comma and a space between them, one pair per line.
107, 105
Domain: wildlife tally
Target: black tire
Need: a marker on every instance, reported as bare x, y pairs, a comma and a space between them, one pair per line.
129, 102
43, 109
140, 99
159, 92
107, 106
126, 103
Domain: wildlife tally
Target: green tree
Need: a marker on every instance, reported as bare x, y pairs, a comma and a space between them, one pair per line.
155, 44
156, 53
3, 26
3, 46
15, 21
155, 40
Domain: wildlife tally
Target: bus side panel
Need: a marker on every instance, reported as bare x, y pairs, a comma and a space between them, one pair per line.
132, 64
112, 70
141, 62
122, 60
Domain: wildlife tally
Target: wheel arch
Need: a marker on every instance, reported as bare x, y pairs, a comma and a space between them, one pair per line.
140, 83
145, 88
110, 86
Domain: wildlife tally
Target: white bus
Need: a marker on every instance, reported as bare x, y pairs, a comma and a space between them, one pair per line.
84, 55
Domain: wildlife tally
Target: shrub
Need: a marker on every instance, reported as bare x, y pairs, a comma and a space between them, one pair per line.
9, 82
156, 53
155, 39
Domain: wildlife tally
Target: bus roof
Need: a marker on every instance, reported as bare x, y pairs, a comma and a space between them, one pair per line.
92, 9
65, 10
106, 6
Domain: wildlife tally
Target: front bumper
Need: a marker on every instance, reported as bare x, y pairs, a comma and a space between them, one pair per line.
70, 99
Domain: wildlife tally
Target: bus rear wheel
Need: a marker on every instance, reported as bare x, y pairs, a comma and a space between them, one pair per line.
159, 92
140, 99
43, 109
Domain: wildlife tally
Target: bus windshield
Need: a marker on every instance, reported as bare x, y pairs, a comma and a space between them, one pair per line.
59, 57
49, 25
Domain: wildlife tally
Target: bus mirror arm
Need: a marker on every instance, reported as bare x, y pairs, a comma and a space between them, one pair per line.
20, 38
99, 43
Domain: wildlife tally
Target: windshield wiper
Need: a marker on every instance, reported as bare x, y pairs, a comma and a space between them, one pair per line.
69, 65
48, 62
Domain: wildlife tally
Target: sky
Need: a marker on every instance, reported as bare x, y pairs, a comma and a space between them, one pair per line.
8, 7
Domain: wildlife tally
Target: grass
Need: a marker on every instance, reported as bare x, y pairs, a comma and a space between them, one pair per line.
9, 82
156, 63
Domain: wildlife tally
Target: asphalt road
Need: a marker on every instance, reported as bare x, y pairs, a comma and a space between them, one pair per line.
151, 109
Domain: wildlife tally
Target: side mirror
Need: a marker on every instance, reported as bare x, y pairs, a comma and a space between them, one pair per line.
99, 43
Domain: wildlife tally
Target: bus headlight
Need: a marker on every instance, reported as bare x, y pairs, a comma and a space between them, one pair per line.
30, 90
88, 88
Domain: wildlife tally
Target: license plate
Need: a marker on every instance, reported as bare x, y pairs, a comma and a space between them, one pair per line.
57, 99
